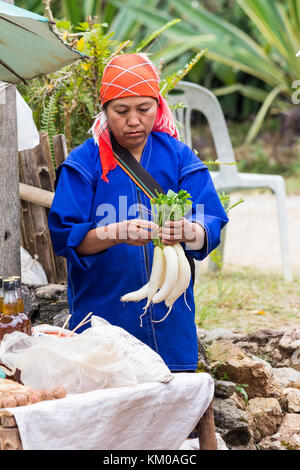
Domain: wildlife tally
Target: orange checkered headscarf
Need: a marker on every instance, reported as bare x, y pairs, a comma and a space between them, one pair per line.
129, 75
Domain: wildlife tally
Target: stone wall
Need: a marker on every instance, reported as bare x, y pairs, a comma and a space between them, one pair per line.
257, 387
46, 304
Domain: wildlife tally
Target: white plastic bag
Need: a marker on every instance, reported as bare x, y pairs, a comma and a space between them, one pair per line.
32, 271
145, 363
79, 364
45, 329
28, 136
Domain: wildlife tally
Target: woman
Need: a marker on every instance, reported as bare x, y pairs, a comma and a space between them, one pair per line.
95, 224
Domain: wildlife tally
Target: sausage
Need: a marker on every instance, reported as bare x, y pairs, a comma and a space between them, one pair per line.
38, 395
22, 398
59, 392
9, 401
33, 396
47, 394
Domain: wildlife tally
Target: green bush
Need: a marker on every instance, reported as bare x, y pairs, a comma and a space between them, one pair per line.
68, 101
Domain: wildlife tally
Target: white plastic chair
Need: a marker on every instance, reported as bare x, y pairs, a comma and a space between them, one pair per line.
228, 179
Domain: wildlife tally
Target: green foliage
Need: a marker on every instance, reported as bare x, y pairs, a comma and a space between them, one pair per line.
48, 117
241, 389
167, 84
151, 37
68, 101
251, 58
266, 51
74, 11
170, 206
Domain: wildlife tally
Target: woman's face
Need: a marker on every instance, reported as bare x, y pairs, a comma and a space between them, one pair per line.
131, 120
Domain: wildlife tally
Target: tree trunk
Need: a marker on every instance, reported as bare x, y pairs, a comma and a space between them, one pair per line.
10, 263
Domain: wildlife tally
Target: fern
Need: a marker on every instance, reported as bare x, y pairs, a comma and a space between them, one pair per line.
48, 121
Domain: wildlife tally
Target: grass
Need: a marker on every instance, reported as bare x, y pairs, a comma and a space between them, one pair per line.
292, 185
244, 300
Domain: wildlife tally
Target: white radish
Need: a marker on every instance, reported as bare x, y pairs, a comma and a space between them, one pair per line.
157, 274
136, 295
156, 278
171, 261
183, 280
184, 276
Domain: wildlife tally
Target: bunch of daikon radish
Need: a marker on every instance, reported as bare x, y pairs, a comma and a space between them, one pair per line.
171, 272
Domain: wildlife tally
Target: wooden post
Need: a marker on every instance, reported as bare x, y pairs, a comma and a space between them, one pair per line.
10, 262
29, 170
60, 149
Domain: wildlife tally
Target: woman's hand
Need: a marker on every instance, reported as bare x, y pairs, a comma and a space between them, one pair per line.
137, 232
183, 230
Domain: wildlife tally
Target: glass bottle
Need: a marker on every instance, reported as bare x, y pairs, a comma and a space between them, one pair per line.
20, 306
1, 294
9, 319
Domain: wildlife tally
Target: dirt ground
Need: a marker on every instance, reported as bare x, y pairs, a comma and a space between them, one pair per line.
252, 236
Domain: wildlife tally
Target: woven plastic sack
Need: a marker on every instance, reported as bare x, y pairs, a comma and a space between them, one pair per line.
144, 362
79, 363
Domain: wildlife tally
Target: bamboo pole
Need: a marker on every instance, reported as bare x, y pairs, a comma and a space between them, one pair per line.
36, 195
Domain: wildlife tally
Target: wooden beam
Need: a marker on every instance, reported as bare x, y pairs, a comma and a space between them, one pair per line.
36, 195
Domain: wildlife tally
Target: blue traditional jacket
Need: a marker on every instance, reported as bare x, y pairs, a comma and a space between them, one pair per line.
83, 201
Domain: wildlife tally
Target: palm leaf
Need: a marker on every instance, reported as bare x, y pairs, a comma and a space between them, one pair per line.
274, 25
294, 13
232, 46
256, 126
254, 93
152, 18
73, 11
142, 44
125, 24
177, 48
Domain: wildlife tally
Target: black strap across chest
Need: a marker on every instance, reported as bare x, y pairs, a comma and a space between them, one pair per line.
142, 179
147, 183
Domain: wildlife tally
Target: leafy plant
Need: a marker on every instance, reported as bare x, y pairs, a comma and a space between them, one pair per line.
68, 101
268, 54
170, 206
73, 10
241, 389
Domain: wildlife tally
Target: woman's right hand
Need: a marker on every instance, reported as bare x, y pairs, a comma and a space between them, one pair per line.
137, 232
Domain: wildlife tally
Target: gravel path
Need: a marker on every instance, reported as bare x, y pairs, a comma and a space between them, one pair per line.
252, 237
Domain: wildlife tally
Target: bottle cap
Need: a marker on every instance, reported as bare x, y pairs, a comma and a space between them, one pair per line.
17, 281
9, 284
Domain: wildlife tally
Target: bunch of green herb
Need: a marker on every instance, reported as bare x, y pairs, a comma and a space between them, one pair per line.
170, 206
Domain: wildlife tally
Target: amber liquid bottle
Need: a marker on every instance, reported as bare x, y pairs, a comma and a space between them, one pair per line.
20, 307
1, 295
9, 319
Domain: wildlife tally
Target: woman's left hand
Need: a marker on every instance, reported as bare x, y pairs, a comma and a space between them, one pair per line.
183, 230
